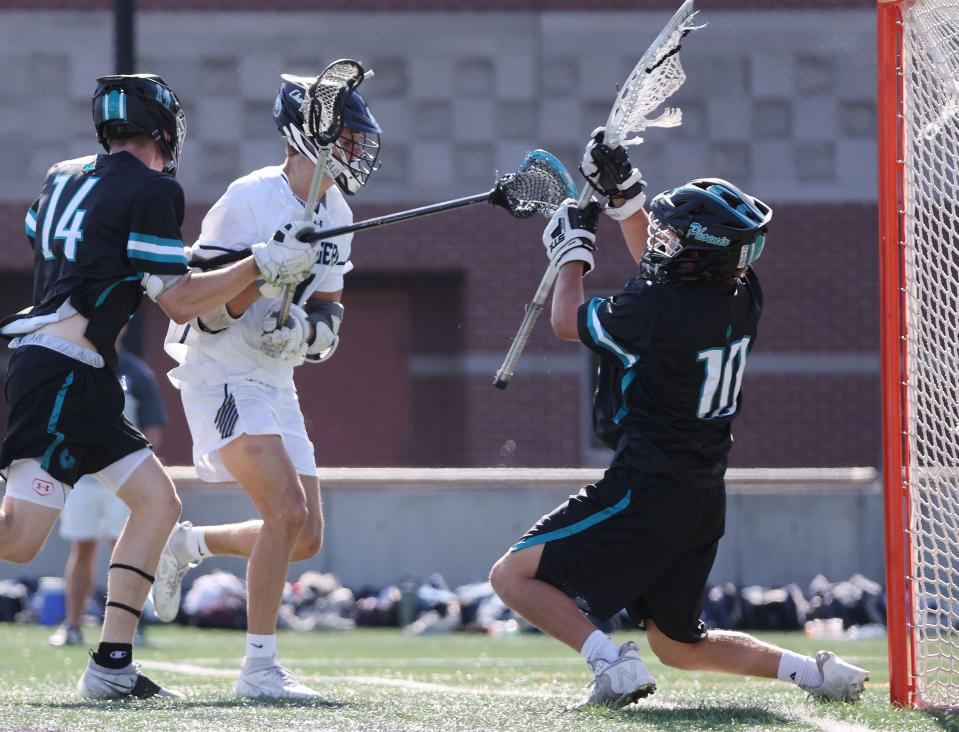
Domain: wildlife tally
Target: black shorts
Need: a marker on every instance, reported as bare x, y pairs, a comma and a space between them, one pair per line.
65, 413
643, 543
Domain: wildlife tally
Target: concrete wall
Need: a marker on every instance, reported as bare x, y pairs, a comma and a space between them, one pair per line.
782, 525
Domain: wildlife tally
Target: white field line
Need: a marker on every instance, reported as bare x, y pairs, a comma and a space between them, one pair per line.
825, 724
190, 669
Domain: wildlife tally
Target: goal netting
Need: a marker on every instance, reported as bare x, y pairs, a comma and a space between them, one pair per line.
925, 487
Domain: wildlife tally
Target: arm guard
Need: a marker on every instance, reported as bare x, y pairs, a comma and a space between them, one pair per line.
215, 321
326, 316
156, 284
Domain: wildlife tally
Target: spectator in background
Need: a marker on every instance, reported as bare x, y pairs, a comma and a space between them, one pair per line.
92, 511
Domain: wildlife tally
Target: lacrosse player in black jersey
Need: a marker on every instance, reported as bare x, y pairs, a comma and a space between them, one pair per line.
673, 346
105, 229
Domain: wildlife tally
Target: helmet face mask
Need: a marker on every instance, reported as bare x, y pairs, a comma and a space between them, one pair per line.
354, 156
140, 104
706, 229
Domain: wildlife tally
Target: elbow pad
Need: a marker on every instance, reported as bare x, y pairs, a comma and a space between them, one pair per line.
156, 284
215, 321
326, 316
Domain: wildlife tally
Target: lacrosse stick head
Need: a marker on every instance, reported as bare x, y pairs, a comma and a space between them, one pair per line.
539, 185
655, 78
707, 228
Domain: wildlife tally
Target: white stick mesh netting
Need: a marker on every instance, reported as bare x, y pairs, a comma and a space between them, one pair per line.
322, 114
656, 77
931, 147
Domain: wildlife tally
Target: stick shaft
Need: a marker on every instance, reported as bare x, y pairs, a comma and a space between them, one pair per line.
533, 311
413, 213
308, 212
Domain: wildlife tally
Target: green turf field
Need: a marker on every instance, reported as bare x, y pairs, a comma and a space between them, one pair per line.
382, 680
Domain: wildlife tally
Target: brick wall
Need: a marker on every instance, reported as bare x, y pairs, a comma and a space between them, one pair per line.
811, 392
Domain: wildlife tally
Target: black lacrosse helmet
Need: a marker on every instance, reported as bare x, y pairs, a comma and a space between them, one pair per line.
140, 104
349, 165
704, 229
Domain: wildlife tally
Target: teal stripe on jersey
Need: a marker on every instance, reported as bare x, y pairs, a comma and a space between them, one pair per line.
602, 338
157, 240
624, 410
576, 528
172, 257
58, 437
109, 288
30, 223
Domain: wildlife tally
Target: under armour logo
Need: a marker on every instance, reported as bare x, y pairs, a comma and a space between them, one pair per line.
42, 488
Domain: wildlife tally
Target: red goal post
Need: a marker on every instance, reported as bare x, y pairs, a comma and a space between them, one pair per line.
918, 131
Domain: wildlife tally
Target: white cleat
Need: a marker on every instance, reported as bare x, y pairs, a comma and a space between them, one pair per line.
840, 680
623, 681
66, 635
170, 573
273, 682
99, 682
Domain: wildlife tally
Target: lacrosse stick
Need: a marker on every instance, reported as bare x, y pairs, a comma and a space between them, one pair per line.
654, 79
539, 185
322, 111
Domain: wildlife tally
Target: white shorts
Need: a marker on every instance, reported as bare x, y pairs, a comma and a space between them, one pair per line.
28, 481
92, 511
217, 415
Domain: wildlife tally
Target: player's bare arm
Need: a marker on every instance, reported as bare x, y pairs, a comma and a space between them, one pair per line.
285, 259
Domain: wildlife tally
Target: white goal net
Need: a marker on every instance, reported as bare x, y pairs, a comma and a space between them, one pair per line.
930, 96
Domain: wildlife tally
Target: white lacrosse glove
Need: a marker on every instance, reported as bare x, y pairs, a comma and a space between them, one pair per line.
268, 291
286, 259
288, 343
609, 171
570, 235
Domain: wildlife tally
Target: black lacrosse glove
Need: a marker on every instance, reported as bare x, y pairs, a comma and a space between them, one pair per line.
610, 171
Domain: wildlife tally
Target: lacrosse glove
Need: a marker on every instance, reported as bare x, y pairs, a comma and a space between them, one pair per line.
570, 235
287, 343
286, 259
609, 171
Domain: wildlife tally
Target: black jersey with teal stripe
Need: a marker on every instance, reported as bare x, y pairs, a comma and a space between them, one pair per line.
100, 223
672, 358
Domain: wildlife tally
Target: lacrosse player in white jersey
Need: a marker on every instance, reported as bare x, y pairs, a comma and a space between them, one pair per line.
235, 376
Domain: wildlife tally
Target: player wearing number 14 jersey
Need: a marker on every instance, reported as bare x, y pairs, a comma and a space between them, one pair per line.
673, 346
104, 230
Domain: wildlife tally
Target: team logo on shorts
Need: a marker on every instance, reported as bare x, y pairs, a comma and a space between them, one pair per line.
67, 460
42, 488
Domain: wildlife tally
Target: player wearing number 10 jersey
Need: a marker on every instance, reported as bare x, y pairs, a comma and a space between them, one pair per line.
673, 346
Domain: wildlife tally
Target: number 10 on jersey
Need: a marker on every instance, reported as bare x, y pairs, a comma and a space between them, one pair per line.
724, 376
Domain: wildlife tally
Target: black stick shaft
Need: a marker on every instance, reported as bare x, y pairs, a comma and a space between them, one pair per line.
413, 213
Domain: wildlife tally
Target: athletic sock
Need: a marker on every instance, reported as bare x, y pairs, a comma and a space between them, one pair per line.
599, 646
260, 646
194, 548
800, 670
114, 655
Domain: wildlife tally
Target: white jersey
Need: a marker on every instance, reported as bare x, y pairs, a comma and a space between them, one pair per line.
250, 211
